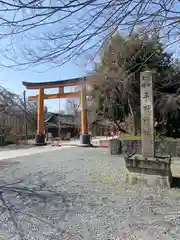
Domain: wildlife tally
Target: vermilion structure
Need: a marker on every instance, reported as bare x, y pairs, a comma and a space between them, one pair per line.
60, 85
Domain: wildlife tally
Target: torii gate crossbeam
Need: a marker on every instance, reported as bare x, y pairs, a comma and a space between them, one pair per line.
40, 86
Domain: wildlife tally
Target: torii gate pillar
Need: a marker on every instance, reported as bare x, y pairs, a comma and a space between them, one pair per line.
85, 138
40, 136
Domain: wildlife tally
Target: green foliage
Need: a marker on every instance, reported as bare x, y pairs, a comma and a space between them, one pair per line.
116, 91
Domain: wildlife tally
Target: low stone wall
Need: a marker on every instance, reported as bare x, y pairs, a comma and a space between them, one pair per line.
115, 147
161, 148
2, 140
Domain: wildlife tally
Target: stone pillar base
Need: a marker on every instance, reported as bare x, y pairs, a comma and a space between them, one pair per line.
115, 146
152, 172
85, 140
40, 140
2, 140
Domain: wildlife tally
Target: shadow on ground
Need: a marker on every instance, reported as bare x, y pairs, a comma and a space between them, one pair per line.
176, 182
27, 208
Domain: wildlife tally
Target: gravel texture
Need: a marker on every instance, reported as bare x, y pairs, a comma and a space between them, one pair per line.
14, 147
78, 193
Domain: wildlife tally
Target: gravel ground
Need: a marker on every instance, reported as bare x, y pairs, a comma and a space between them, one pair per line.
78, 193
14, 146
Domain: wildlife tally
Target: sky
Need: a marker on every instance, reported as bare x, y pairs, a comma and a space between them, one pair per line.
12, 80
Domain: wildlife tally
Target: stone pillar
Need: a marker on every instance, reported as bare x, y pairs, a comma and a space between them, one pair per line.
147, 114
85, 138
148, 168
40, 136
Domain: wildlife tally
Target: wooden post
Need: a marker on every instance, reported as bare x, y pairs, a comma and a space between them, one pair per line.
25, 115
40, 114
84, 123
61, 90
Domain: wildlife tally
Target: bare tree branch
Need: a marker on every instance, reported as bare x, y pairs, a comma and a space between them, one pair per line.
54, 32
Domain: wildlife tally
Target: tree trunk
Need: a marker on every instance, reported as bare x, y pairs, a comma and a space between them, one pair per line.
133, 114
136, 117
136, 123
119, 127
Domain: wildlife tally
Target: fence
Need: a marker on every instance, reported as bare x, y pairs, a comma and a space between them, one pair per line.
13, 129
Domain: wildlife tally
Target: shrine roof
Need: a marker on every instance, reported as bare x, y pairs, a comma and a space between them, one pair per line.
54, 84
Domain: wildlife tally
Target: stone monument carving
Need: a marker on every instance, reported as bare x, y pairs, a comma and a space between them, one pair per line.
147, 115
148, 168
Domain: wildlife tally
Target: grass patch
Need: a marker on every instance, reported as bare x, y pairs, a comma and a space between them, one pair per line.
104, 179
131, 137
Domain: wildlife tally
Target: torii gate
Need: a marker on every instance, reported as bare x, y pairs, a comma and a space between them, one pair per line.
40, 136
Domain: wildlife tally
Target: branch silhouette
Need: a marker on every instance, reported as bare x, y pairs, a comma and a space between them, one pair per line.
79, 27
37, 205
